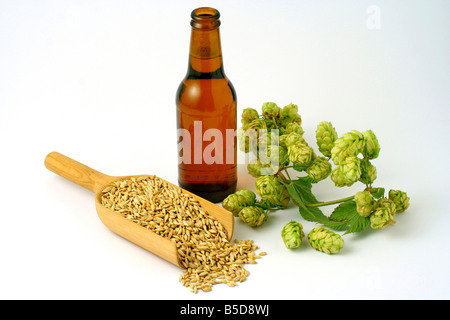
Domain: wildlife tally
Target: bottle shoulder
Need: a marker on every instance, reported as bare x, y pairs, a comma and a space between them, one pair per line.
200, 96
222, 88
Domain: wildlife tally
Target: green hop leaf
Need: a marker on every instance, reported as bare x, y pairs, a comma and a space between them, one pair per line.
320, 169
302, 196
325, 240
400, 199
377, 193
326, 135
345, 216
292, 234
253, 216
235, 202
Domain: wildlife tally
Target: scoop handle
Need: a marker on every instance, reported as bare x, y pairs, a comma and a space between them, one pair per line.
75, 171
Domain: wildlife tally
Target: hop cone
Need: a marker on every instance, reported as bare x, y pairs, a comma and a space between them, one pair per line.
347, 173
271, 110
350, 144
301, 154
371, 148
400, 199
325, 240
257, 124
383, 215
368, 172
248, 138
387, 203
292, 234
320, 169
253, 130
235, 202
253, 216
364, 203
282, 140
289, 115
244, 140
326, 136
274, 156
267, 138
272, 192
292, 138
293, 127
247, 116
256, 168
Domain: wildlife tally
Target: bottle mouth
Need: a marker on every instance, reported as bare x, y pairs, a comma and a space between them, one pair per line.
205, 18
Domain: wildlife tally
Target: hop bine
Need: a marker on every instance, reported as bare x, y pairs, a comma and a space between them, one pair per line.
276, 138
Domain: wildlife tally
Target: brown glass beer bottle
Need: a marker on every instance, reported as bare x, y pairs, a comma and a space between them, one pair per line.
206, 115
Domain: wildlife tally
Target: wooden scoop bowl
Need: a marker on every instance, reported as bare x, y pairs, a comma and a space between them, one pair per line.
96, 181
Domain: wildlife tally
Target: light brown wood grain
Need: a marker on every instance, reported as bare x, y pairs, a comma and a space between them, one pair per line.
96, 181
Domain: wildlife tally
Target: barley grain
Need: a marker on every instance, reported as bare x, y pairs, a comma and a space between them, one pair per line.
202, 245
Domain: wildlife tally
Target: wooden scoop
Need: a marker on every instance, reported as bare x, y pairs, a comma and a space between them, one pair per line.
96, 181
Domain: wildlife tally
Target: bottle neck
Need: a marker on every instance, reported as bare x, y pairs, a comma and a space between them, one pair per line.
205, 53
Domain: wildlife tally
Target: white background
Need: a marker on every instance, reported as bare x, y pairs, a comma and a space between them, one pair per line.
96, 80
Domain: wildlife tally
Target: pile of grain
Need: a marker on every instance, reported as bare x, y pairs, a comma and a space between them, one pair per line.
202, 244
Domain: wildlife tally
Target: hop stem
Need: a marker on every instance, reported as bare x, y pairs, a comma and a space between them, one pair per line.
327, 203
283, 178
